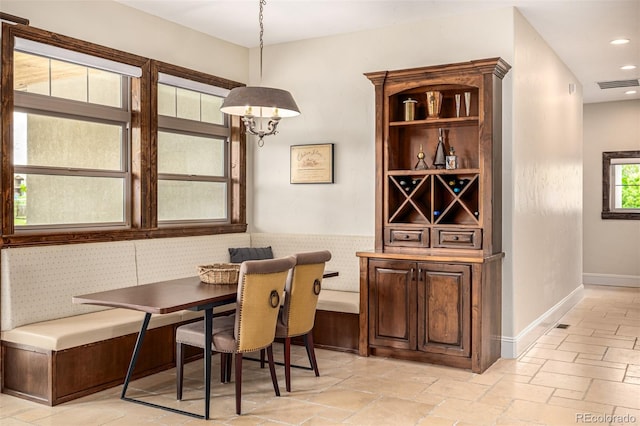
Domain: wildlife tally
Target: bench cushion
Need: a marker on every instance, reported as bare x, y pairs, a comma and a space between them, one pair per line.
78, 330
39, 282
339, 301
163, 259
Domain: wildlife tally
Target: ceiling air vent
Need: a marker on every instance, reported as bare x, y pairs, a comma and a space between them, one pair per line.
618, 83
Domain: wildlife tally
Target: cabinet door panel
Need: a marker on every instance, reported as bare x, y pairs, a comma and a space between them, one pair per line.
392, 304
444, 308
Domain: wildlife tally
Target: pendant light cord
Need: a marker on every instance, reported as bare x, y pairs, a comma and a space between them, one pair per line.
260, 19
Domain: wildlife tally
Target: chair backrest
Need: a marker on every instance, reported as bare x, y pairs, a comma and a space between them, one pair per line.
303, 287
260, 286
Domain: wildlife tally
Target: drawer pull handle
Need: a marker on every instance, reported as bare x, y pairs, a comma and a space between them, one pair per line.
455, 238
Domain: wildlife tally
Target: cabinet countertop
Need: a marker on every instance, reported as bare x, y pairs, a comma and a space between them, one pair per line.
457, 257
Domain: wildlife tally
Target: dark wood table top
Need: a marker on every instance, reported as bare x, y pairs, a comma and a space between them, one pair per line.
166, 296
162, 297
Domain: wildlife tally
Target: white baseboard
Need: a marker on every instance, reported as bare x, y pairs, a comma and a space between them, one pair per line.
512, 347
611, 280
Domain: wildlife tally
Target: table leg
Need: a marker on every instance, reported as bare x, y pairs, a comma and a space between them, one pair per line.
208, 326
136, 351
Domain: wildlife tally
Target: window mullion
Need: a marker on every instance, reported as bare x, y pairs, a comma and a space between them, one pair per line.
58, 106
64, 171
192, 127
192, 178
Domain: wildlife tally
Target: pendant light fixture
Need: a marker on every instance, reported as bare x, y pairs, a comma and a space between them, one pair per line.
260, 102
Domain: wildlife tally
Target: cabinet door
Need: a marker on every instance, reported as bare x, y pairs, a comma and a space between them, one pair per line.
444, 308
392, 304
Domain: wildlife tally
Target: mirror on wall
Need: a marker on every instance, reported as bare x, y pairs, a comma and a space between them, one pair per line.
621, 185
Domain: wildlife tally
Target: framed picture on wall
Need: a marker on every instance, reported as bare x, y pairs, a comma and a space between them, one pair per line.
312, 163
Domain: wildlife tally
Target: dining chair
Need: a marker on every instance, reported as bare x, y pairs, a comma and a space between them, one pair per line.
251, 328
297, 315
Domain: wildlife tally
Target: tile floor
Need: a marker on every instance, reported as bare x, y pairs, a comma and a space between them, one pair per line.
588, 373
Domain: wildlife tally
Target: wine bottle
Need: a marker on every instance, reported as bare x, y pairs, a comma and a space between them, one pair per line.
454, 185
408, 185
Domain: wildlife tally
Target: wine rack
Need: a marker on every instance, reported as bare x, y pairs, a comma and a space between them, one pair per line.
457, 197
434, 198
410, 199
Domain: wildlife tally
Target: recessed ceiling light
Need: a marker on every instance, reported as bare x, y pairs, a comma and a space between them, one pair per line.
630, 92
628, 67
620, 41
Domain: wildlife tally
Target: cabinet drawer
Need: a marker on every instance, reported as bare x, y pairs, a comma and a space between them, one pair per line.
407, 237
457, 238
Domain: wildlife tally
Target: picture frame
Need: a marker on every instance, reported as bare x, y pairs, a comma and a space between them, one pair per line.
312, 163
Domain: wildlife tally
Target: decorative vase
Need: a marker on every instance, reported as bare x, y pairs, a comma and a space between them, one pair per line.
467, 102
434, 104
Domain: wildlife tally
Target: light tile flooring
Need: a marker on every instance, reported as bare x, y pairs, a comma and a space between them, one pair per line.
588, 373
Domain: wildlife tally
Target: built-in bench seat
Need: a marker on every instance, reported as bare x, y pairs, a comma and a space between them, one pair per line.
54, 351
78, 330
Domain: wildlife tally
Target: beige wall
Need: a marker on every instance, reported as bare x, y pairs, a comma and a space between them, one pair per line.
543, 265
611, 247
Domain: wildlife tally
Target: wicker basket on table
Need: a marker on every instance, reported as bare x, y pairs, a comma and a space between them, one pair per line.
219, 273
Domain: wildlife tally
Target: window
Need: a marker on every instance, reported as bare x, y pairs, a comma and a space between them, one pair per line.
102, 145
621, 185
70, 141
193, 155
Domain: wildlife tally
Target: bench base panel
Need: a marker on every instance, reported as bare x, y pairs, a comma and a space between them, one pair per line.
336, 331
54, 377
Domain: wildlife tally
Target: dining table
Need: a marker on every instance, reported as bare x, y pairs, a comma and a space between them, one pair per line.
165, 297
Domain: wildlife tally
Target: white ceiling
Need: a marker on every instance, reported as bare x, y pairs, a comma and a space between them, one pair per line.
579, 31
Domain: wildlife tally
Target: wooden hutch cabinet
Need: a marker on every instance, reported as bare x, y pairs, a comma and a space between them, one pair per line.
431, 289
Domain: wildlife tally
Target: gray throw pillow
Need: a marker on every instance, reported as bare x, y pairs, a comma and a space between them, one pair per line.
239, 255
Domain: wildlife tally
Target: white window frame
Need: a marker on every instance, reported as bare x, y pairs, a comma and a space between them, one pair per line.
202, 129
